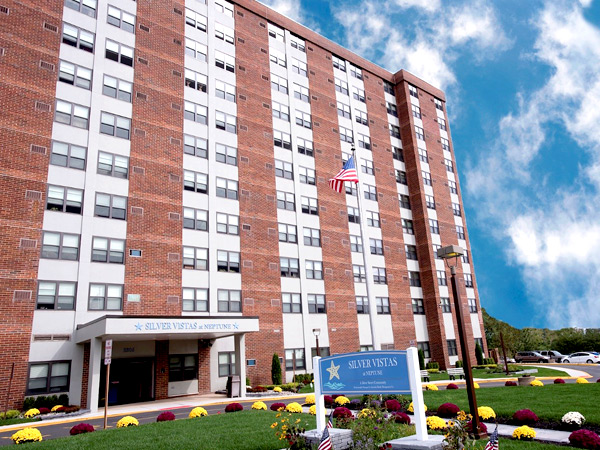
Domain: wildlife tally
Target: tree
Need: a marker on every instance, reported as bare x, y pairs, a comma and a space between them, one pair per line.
479, 354
421, 359
275, 369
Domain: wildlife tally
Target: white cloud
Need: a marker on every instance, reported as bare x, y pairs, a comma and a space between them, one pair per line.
289, 8
427, 5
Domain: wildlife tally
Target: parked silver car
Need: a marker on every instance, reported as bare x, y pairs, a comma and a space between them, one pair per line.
582, 357
553, 355
531, 357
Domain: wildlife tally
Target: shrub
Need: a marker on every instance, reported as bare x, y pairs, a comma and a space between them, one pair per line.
342, 400
524, 433
421, 360
63, 399
328, 400
411, 408
10, 414
68, 409
277, 406
81, 428
435, 423
393, 405
289, 387
165, 416
28, 403
127, 421
275, 369
559, 381
469, 427
525, 417
56, 407
598, 380
430, 371
257, 389
313, 410
310, 399
458, 364
233, 407
479, 354
260, 406
197, 412
354, 404
452, 386
433, 365
585, 439
510, 383
486, 413
431, 387
581, 380
401, 417
448, 410
31, 413
27, 435
342, 413
573, 418
40, 401
536, 383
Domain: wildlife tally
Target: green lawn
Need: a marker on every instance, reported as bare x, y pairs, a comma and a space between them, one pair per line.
17, 420
482, 373
548, 402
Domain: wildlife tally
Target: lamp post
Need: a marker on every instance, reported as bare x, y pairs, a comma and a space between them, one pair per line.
317, 332
448, 253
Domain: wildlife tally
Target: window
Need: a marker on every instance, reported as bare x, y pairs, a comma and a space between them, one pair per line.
68, 155
316, 304
195, 113
472, 305
78, 38
297, 43
87, 7
299, 67
468, 280
449, 165
294, 359
366, 348
370, 192
276, 33
224, 61
194, 300
452, 187
107, 297
305, 146
290, 267
277, 57
228, 224
356, 244
283, 140
391, 109
279, 84
359, 273
383, 305
341, 86
346, 135
108, 250
110, 206
397, 154
445, 304
226, 154
195, 182
358, 94
195, 219
438, 104
416, 111
56, 295
195, 20
407, 226
229, 300
460, 232
362, 305
228, 261
401, 177
281, 111
373, 219
376, 246
121, 19
113, 165
307, 176
356, 72
350, 187
451, 347
442, 124
292, 303
414, 279
314, 270
426, 178
115, 125
196, 50
72, 114
353, 214
226, 364
48, 377
417, 306
183, 367
285, 200
445, 144
195, 258
367, 166
323, 351
441, 277
284, 170
119, 53
64, 199
420, 133
411, 252
338, 63
364, 141
379, 276
75, 75
288, 233
119, 89
361, 117
226, 122
224, 33
413, 91
303, 119
312, 237
394, 131
310, 206
404, 201
430, 201
343, 110
465, 257
195, 80
424, 346
301, 93
434, 227
227, 188
195, 146
423, 155
225, 91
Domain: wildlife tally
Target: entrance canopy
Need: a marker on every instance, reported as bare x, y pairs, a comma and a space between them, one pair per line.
165, 327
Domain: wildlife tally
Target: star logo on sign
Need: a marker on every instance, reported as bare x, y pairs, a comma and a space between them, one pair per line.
236, 325
333, 371
138, 326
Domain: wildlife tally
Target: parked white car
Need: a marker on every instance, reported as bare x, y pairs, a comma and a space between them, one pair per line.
582, 357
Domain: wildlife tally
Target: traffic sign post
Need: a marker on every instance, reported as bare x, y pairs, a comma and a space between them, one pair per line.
107, 361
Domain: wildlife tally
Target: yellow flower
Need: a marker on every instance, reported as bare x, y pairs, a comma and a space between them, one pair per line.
341, 400
297, 421
524, 432
31, 413
313, 410
581, 381
278, 415
274, 424
485, 412
197, 412
411, 409
276, 389
284, 427
127, 421
27, 435
54, 408
435, 423
367, 413
431, 387
536, 383
310, 399
461, 415
259, 406
294, 407
475, 385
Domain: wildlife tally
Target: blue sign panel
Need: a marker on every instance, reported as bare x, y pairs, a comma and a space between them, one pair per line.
384, 372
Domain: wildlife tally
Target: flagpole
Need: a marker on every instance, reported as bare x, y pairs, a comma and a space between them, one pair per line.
368, 272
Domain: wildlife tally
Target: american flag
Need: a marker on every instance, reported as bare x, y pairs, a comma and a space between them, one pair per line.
325, 443
348, 173
493, 442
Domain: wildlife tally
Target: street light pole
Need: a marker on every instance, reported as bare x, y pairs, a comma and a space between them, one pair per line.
316, 332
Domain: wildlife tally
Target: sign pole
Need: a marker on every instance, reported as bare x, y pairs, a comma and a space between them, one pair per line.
414, 376
107, 361
319, 399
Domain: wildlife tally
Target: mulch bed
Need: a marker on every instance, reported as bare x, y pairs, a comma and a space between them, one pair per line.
551, 425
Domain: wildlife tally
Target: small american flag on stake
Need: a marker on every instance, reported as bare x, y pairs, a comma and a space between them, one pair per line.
493, 442
348, 173
325, 443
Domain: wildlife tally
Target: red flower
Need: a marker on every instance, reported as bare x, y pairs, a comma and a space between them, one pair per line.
165, 416
525, 417
585, 439
392, 405
81, 428
401, 417
277, 406
448, 410
559, 381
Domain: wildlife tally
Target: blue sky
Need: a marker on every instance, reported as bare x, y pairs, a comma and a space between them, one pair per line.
522, 80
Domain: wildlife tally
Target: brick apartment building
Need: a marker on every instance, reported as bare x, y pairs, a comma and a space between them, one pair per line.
164, 172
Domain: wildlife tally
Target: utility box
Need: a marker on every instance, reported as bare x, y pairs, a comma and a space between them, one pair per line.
233, 386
